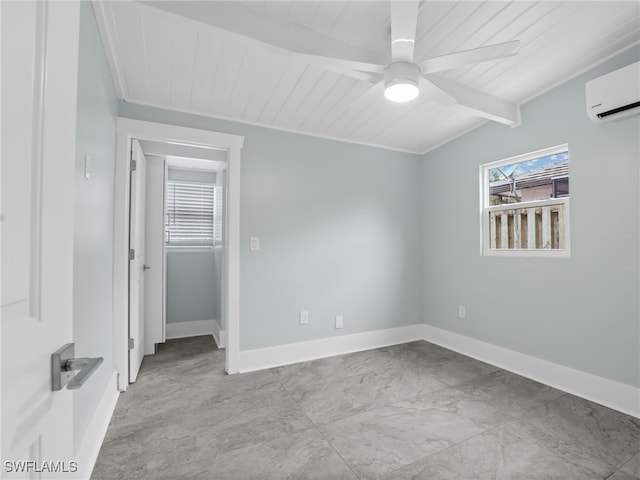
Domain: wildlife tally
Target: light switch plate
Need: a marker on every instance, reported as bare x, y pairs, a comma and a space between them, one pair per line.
87, 166
255, 244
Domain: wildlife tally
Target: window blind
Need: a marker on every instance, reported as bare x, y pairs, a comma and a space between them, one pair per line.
189, 214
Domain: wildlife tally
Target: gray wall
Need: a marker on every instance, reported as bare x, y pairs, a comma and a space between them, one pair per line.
340, 233
191, 285
93, 234
581, 312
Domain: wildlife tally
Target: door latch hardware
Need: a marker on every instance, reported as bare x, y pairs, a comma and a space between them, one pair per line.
63, 364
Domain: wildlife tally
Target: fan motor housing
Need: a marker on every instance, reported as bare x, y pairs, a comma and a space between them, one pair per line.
401, 72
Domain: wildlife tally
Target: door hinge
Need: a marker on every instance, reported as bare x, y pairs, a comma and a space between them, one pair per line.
132, 254
133, 165
132, 344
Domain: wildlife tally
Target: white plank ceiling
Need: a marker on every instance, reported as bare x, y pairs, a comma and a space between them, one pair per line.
169, 55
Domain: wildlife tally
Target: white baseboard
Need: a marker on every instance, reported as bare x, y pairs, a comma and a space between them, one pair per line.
263, 358
609, 393
220, 336
87, 454
189, 329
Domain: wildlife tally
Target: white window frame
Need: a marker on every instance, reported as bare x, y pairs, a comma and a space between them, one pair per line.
485, 209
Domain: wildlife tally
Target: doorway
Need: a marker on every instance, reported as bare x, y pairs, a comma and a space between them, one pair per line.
184, 246
226, 145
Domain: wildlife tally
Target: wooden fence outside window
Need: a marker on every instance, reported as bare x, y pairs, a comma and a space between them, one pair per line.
532, 226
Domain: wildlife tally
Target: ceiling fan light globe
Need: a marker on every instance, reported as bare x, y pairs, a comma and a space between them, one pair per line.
401, 92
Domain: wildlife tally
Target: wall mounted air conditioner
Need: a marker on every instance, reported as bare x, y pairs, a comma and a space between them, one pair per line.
615, 95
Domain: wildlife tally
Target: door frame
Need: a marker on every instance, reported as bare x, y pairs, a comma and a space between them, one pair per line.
127, 129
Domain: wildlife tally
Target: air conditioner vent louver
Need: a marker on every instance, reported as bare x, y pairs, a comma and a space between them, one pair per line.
619, 109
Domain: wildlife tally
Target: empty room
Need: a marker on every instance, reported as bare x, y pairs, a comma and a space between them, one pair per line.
320, 239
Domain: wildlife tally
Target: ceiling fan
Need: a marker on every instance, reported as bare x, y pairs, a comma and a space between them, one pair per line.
401, 80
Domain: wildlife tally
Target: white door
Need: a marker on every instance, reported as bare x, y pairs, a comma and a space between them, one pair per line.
137, 266
39, 88
154, 312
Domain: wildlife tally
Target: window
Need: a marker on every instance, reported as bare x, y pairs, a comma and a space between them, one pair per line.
525, 204
190, 214
561, 187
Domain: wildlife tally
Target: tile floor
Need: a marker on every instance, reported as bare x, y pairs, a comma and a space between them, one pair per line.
411, 411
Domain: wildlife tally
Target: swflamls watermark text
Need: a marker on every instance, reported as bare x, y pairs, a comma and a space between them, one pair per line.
31, 466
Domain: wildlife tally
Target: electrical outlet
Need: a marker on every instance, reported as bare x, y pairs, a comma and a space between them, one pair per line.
462, 312
304, 317
339, 321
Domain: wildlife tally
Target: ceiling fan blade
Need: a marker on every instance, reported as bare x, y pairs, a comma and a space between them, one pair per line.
371, 78
404, 16
469, 57
340, 65
480, 103
434, 93
236, 18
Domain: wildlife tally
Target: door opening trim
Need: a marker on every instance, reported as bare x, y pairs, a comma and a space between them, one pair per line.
128, 129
